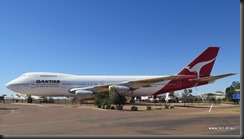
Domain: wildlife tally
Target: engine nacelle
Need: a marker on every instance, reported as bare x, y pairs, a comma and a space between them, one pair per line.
123, 90
83, 93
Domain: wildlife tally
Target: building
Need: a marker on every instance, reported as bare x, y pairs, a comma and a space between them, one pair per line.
216, 95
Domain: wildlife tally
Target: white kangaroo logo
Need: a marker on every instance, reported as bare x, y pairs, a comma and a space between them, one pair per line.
197, 68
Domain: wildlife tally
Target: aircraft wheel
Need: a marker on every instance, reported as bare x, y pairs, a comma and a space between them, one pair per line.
29, 100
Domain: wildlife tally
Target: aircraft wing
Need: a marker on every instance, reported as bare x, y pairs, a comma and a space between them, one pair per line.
147, 82
211, 78
135, 84
97, 88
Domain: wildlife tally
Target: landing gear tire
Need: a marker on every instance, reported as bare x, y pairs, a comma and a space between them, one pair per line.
132, 100
29, 100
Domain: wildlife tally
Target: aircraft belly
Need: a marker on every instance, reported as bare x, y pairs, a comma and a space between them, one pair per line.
145, 91
48, 92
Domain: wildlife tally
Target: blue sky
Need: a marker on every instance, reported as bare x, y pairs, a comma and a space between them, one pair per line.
117, 37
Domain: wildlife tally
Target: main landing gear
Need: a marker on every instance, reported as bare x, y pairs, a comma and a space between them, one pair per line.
29, 99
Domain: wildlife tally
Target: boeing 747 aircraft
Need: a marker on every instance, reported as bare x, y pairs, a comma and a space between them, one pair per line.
196, 73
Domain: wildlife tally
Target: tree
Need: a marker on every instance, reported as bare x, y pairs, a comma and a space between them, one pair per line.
219, 100
219, 92
101, 99
232, 90
116, 98
223, 99
212, 100
195, 99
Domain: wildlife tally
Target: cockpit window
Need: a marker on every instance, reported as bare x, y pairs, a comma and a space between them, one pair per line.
24, 75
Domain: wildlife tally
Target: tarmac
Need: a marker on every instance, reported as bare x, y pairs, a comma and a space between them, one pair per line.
86, 120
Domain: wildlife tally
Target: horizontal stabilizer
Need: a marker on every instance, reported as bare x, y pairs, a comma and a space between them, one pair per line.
211, 78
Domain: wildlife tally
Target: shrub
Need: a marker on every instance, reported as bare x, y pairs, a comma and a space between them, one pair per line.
99, 106
101, 99
134, 108
116, 98
107, 106
112, 108
119, 107
148, 108
166, 106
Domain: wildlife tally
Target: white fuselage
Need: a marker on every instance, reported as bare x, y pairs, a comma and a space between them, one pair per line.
196, 73
57, 84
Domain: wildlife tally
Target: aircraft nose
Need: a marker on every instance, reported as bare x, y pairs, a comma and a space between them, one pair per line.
10, 85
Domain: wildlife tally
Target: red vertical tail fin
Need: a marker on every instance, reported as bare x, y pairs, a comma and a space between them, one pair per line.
203, 64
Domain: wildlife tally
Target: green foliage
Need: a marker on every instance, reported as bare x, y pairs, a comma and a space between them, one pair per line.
148, 108
212, 99
219, 100
223, 99
232, 90
134, 108
236, 84
166, 106
108, 98
195, 99
101, 98
219, 92
190, 99
116, 98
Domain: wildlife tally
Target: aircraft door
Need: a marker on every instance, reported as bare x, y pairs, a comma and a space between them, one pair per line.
33, 84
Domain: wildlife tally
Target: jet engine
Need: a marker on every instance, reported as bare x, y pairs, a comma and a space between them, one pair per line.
123, 90
83, 93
